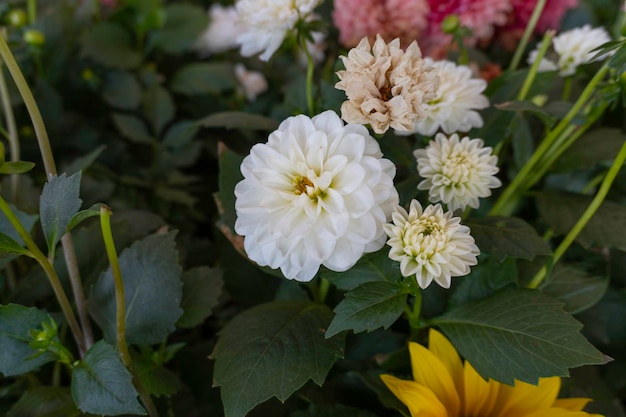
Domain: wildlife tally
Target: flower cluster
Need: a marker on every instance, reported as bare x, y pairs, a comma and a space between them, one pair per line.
317, 193
386, 86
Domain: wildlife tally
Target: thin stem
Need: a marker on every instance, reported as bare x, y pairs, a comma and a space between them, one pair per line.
36, 253
567, 88
32, 11
322, 290
120, 310
530, 27
309, 75
587, 215
413, 313
532, 73
508, 199
14, 143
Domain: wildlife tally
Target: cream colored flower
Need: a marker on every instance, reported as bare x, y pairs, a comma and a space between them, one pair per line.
386, 86
430, 244
457, 172
221, 34
252, 83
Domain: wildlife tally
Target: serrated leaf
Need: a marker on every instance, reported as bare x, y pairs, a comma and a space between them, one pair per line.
16, 356
45, 401
518, 334
158, 107
16, 167
577, 289
109, 44
156, 379
83, 215
102, 385
203, 78
121, 90
272, 350
9, 247
369, 307
504, 237
59, 202
373, 267
202, 287
152, 290
562, 210
133, 128
183, 25
484, 280
238, 120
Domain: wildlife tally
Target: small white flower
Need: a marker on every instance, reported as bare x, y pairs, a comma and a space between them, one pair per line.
573, 48
457, 173
221, 34
317, 193
458, 97
266, 23
430, 244
252, 83
545, 64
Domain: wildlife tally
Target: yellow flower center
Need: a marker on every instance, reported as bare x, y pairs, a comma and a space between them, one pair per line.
301, 183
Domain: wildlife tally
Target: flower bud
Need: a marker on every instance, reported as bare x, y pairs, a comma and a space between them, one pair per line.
17, 18
34, 37
450, 24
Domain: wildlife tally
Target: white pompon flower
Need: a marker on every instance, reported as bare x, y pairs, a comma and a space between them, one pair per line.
317, 193
266, 23
457, 172
458, 97
221, 34
573, 48
252, 83
430, 244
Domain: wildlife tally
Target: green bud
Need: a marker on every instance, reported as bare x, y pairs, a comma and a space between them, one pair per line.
34, 37
450, 24
17, 18
87, 74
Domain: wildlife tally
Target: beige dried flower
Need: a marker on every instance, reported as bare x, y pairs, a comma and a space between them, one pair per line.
386, 86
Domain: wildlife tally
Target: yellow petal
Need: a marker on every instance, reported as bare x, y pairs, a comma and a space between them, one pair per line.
443, 349
429, 371
420, 400
523, 398
573, 404
480, 395
554, 412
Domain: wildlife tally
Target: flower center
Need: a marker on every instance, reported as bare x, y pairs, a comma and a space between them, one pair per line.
424, 236
458, 167
301, 183
385, 93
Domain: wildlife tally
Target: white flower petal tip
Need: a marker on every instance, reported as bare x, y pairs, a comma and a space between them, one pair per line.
430, 244
317, 193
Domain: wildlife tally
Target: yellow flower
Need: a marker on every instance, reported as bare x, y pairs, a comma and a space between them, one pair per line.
444, 386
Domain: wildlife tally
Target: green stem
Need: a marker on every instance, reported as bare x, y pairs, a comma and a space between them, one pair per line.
530, 27
36, 253
120, 308
14, 143
463, 55
322, 290
507, 201
414, 313
587, 215
32, 11
309, 75
532, 73
567, 88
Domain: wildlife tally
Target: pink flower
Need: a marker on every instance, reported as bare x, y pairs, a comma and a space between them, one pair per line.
481, 16
404, 19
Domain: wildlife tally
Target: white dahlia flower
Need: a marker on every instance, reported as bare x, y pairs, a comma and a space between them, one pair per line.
252, 83
457, 172
430, 244
221, 34
317, 193
573, 48
266, 23
386, 86
458, 97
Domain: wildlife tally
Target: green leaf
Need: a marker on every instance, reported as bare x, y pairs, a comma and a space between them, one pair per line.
45, 401
59, 202
158, 106
562, 210
183, 25
156, 379
203, 78
152, 290
102, 385
16, 355
109, 44
84, 162
121, 90
368, 307
577, 289
507, 237
518, 334
16, 167
229, 176
27, 220
272, 350
527, 106
202, 287
238, 120
373, 267
9, 247
180, 134
132, 127
484, 280
595, 146
83, 215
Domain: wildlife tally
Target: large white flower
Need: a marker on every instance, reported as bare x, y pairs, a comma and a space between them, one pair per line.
317, 193
573, 48
386, 86
430, 244
458, 97
266, 23
457, 172
221, 34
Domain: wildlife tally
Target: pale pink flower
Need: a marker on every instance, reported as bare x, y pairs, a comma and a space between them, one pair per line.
404, 19
252, 83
